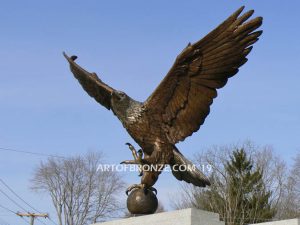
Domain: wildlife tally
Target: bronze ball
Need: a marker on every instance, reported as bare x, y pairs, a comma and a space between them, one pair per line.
141, 202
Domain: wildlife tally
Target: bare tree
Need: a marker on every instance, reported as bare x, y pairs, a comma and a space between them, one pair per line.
289, 206
80, 194
263, 158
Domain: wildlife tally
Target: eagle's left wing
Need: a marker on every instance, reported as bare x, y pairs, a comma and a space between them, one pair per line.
91, 83
182, 100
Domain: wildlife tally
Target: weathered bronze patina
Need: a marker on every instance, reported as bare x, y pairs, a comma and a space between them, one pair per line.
181, 102
140, 202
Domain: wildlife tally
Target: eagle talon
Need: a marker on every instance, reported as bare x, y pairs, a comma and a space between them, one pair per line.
129, 145
132, 149
146, 191
153, 190
129, 162
138, 158
140, 186
134, 186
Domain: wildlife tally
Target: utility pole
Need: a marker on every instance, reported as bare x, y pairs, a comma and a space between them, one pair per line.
32, 216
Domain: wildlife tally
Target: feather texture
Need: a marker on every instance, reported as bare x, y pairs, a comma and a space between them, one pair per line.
184, 96
91, 83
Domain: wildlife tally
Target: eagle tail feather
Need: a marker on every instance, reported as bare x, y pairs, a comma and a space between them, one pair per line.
184, 169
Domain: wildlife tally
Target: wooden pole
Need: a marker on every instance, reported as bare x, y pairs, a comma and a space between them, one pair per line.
32, 216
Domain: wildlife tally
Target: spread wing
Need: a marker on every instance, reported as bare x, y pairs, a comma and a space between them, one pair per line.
91, 83
182, 100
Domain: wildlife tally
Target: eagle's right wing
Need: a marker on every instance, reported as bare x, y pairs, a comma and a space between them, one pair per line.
182, 100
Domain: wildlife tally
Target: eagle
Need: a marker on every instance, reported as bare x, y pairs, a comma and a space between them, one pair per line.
181, 102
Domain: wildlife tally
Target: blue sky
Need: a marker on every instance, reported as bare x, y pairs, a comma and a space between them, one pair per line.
132, 45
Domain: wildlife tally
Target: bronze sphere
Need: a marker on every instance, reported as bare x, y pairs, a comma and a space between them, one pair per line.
141, 202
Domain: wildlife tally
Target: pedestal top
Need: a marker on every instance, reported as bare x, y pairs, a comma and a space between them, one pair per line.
281, 222
179, 217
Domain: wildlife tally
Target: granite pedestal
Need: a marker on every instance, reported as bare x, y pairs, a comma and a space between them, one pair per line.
179, 217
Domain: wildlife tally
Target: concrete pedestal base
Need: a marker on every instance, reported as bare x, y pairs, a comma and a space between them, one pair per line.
281, 222
179, 217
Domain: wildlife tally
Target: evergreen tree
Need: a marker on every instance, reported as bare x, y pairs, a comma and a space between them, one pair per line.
239, 195
247, 193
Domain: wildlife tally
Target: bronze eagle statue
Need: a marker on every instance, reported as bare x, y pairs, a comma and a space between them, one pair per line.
181, 102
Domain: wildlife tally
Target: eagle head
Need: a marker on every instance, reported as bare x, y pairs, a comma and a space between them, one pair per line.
120, 102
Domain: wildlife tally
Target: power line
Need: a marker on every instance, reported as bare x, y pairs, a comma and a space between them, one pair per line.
52, 220
19, 197
7, 196
14, 203
24, 220
3, 207
9, 210
32, 153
